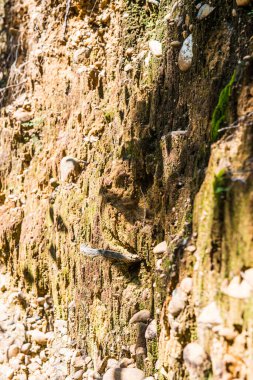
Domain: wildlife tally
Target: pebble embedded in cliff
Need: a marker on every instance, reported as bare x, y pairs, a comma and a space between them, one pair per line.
80, 54
157, 3
191, 248
112, 363
151, 331
194, 355
22, 116
141, 351
248, 276
39, 337
140, 316
243, 3
25, 349
124, 374
155, 48
128, 68
130, 52
186, 285
105, 17
175, 44
78, 375
108, 254
177, 302
210, 315
160, 248
186, 54
159, 265
227, 333
7, 372
41, 300
13, 351
204, 11
69, 168
125, 362
237, 289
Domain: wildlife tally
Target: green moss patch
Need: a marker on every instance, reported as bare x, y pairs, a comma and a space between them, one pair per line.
220, 114
220, 183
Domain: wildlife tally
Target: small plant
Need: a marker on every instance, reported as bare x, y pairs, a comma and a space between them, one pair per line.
37, 122
65, 271
109, 116
220, 183
189, 217
220, 115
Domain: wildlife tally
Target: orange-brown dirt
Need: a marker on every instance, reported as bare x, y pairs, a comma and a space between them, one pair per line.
80, 82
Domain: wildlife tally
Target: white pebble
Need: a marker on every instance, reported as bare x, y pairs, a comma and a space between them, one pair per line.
204, 11
128, 68
13, 351
155, 48
69, 166
227, 333
194, 355
177, 303
186, 54
38, 336
210, 315
151, 331
160, 248
186, 285
248, 276
140, 316
22, 116
237, 289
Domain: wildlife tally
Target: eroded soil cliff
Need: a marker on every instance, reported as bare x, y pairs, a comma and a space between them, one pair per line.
145, 164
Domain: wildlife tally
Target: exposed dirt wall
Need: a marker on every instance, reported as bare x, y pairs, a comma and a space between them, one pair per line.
81, 82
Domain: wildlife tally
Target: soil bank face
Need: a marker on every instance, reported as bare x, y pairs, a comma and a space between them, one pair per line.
105, 140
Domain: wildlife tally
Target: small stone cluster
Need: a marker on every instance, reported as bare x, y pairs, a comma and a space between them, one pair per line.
34, 346
178, 303
174, 17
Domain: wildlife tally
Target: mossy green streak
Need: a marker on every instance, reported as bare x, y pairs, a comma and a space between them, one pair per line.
220, 116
